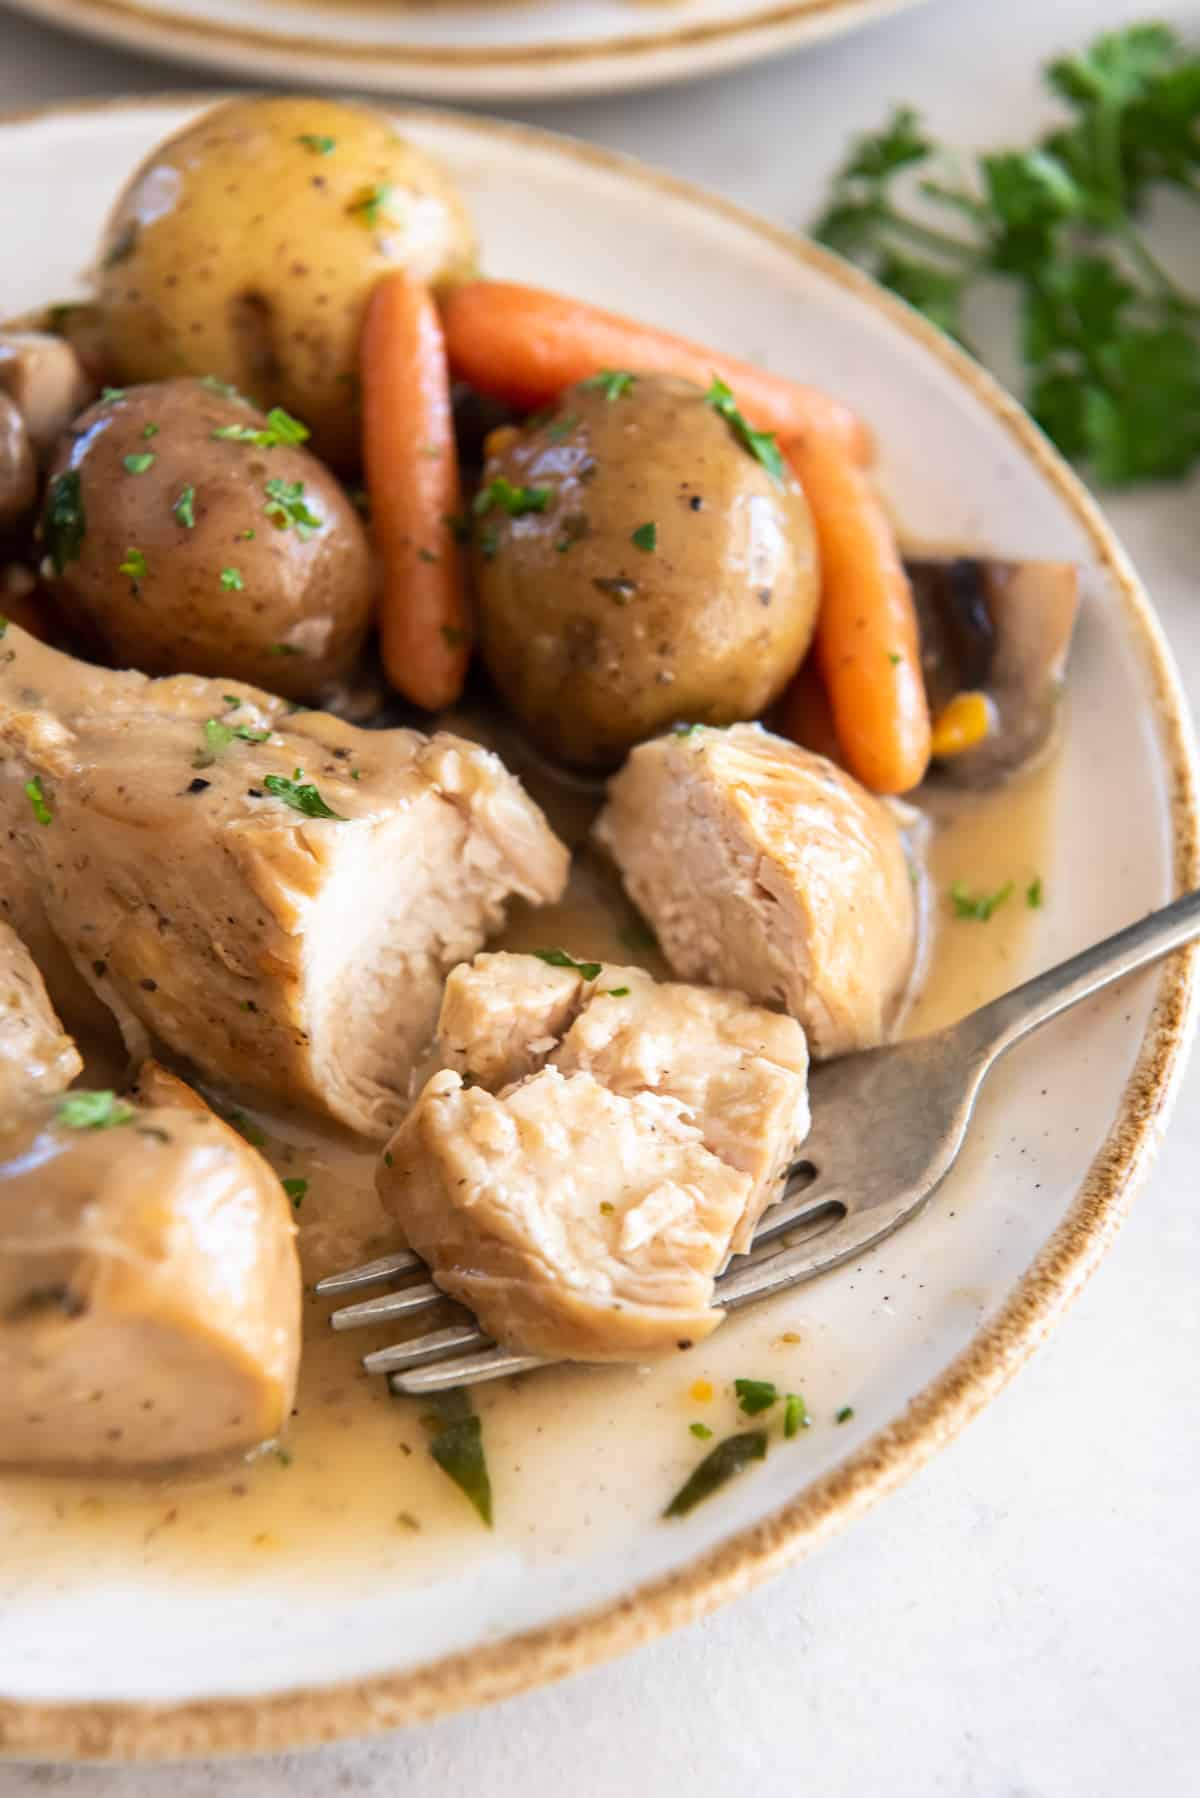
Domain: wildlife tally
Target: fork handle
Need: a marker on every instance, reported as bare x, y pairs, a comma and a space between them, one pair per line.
997, 1026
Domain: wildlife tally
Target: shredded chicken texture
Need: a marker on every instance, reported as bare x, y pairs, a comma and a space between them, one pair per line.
765, 868
272, 897
572, 1220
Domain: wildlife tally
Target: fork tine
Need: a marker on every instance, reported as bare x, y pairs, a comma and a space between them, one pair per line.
391, 1304
435, 1345
371, 1273
467, 1370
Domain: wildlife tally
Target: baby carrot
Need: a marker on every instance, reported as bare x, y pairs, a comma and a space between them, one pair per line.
868, 649
525, 346
413, 488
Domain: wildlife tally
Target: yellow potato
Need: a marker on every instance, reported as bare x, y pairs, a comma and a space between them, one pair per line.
246, 248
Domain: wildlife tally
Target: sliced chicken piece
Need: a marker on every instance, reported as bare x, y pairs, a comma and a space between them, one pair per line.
149, 1287
572, 1221
740, 1071
275, 898
37, 1057
766, 869
46, 381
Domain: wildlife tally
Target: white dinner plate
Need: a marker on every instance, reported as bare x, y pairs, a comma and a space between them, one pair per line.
322, 1610
465, 49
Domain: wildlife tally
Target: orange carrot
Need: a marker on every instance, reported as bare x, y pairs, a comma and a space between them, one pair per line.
868, 647
412, 484
524, 346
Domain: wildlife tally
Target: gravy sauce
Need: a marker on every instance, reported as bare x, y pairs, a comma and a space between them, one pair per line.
351, 1490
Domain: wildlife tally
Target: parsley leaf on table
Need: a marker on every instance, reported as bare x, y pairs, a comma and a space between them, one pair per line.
1110, 342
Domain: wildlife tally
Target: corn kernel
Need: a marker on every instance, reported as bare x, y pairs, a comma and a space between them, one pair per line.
701, 1391
497, 441
962, 724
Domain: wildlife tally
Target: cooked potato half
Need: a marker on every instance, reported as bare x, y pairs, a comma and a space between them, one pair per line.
637, 565
246, 247
185, 534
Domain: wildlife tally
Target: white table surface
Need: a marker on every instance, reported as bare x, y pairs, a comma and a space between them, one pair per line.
1020, 1621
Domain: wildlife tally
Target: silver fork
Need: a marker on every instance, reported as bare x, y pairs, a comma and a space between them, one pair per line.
887, 1128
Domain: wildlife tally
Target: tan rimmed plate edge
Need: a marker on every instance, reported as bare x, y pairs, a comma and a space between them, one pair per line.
526, 71
479, 1676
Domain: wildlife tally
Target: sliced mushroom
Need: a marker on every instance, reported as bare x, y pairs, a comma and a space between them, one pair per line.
46, 382
1002, 629
18, 471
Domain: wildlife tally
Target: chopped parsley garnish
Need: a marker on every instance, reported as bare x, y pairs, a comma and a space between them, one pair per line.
562, 427
280, 427
295, 1190
64, 522
516, 501
426, 555
978, 906
232, 701
1035, 894
283, 1457
286, 506
150, 430
288, 649
615, 992
317, 142
719, 1466
139, 464
761, 444
701, 1431
611, 382
184, 508
645, 537
558, 958
795, 1415
109, 394
134, 565
457, 1447
489, 542
246, 1128
226, 389
93, 1111
685, 730
845, 1414
894, 659
755, 1395
37, 799
231, 580
452, 636
372, 204
301, 795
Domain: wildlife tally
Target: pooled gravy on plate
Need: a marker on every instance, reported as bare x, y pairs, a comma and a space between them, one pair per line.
352, 1479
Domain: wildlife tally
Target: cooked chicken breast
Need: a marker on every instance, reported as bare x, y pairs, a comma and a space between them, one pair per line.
766, 869
149, 1287
573, 1221
274, 898
37, 1058
740, 1071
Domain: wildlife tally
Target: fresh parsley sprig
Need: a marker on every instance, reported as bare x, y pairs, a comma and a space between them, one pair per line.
1109, 339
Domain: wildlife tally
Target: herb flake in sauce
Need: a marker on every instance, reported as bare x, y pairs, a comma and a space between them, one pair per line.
295, 1189
613, 383
516, 501
645, 537
184, 508
37, 799
64, 521
795, 1415
231, 580
754, 1396
845, 1414
280, 427
372, 204
761, 444
317, 143
134, 565
93, 1111
1035, 894
558, 958
978, 906
718, 1467
301, 795
140, 463
457, 1447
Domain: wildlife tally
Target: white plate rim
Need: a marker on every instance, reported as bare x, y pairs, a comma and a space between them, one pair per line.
528, 71
133, 1731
